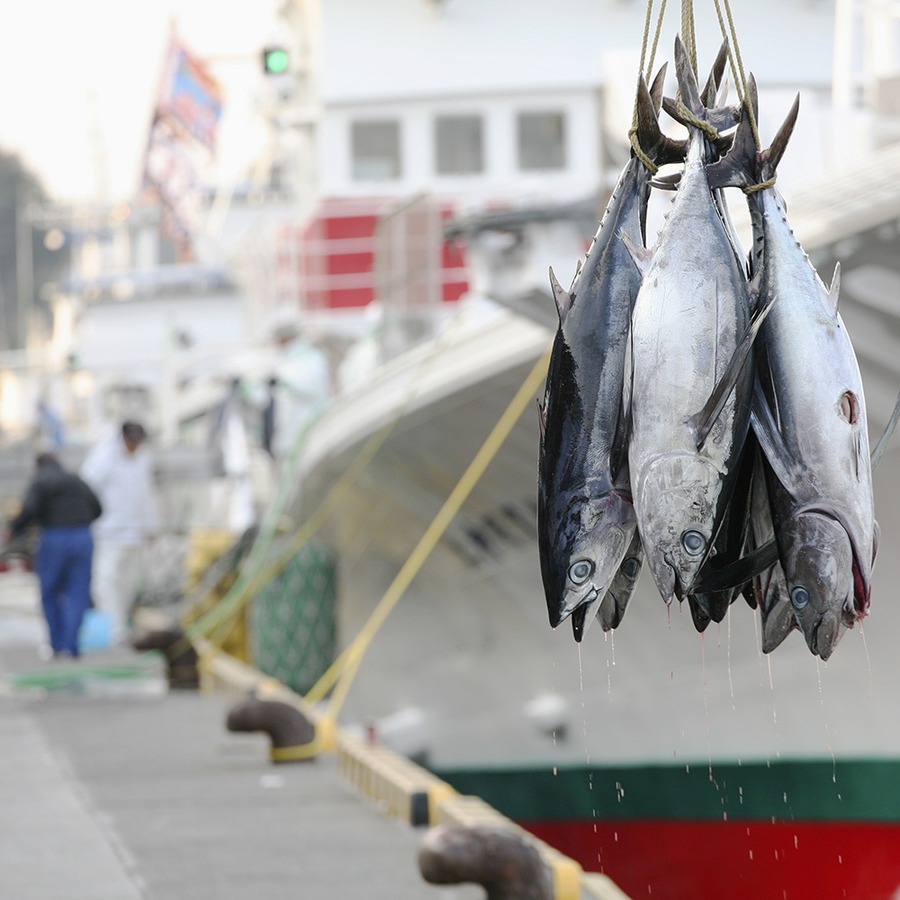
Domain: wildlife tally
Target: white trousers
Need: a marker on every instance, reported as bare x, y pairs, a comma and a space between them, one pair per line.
118, 573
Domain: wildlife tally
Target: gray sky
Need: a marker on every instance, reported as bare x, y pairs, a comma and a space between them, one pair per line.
79, 79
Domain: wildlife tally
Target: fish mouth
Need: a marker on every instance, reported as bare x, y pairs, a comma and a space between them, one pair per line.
601, 554
823, 576
857, 605
668, 582
584, 614
580, 622
825, 636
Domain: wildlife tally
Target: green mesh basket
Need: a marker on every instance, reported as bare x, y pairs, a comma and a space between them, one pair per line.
292, 619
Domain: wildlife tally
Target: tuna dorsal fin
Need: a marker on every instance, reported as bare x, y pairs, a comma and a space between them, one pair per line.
687, 81
656, 89
711, 88
542, 419
740, 167
562, 297
640, 255
773, 155
653, 142
835, 289
704, 420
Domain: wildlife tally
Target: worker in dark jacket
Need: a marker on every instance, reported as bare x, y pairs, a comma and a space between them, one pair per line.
63, 506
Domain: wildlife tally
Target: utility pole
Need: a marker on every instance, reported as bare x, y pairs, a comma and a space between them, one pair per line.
24, 269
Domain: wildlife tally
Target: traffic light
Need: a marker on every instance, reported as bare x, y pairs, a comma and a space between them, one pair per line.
275, 60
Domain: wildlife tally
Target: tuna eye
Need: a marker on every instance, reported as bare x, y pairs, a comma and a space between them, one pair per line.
849, 407
693, 542
799, 597
631, 568
580, 571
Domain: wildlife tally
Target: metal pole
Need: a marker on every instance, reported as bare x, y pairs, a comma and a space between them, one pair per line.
24, 270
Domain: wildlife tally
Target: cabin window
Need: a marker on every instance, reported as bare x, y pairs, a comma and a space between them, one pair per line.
542, 140
375, 148
459, 145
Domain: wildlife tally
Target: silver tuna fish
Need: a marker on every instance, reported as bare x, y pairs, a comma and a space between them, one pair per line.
586, 519
809, 414
691, 377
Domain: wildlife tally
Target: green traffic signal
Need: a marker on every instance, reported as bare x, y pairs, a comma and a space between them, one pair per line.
275, 60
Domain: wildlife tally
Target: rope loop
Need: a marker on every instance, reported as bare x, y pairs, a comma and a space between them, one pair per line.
690, 119
649, 165
754, 188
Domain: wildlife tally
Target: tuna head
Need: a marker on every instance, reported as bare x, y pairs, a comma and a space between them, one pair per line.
817, 559
580, 561
677, 502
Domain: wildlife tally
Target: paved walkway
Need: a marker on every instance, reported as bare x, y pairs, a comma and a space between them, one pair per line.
113, 788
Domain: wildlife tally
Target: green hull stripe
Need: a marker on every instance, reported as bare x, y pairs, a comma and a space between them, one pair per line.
861, 790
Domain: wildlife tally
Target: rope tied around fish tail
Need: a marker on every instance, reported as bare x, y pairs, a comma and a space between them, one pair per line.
686, 116
755, 188
649, 165
646, 72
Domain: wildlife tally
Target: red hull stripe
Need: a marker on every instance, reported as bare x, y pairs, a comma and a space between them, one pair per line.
674, 860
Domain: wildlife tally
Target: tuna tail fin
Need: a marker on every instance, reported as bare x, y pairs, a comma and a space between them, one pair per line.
772, 156
659, 148
711, 89
743, 166
687, 81
656, 89
702, 104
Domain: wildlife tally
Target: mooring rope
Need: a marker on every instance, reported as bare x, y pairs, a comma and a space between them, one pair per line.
342, 672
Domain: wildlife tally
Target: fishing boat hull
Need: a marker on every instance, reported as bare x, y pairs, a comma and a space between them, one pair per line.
679, 764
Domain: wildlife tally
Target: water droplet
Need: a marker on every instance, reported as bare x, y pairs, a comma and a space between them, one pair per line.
751, 853
555, 771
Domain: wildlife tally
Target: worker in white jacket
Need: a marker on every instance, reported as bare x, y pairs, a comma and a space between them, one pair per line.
120, 472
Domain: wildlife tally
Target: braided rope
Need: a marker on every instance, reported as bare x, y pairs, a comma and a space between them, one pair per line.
649, 165
754, 188
690, 119
738, 69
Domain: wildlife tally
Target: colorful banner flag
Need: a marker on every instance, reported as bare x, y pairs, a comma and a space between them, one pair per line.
182, 142
190, 95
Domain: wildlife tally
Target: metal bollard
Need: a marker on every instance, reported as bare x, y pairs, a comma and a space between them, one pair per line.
501, 861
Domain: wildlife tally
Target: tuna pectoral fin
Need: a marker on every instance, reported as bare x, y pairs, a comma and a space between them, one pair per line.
883, 441
735, 574
787, 468
703, 421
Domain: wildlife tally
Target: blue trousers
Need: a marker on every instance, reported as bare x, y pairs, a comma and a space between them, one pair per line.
63, 566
